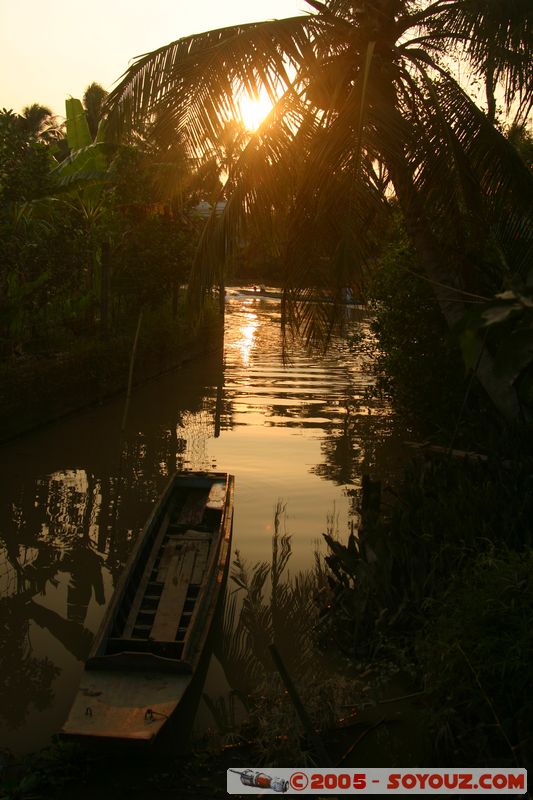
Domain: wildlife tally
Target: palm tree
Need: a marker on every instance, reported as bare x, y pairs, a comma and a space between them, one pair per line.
93, 103
361, 91
38, 122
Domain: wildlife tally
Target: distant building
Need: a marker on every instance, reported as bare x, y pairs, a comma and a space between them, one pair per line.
205, 209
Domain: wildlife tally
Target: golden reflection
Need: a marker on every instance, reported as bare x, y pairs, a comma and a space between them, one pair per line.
246, 340
194, 432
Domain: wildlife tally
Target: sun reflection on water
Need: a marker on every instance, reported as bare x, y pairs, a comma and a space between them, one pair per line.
246, 340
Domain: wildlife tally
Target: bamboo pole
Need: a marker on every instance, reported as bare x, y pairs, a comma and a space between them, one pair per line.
130, 376
298, 705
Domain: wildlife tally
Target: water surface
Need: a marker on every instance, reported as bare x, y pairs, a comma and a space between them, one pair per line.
75, 494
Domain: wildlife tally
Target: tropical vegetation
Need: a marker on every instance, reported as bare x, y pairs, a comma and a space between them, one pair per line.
92, 235
367, 102
395, 161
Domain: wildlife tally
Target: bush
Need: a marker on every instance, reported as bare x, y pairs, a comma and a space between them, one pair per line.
476, 651
442, 515
441, 586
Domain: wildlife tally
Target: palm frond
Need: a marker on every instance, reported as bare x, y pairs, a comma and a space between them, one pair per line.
336, 202
487, 187
501, 172
436, 158
496, 36
191, 84
262, 181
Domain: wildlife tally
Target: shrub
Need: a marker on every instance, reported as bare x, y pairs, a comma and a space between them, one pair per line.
476, 650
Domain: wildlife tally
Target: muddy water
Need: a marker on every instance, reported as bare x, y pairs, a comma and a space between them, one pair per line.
75, 494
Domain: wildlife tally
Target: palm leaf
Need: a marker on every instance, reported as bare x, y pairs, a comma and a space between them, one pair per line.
496, 35
262, 179
191, 84
499, 169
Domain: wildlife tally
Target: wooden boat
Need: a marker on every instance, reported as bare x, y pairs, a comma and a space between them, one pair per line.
149, 645
345, 300
263, 293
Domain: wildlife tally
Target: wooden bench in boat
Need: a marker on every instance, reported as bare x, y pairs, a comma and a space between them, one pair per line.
167, 595
159, 619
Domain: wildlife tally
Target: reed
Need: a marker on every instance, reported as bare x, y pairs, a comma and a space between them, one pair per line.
271, 606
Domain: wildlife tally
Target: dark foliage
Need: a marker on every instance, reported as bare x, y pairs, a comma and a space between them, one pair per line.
25, 163
440, 585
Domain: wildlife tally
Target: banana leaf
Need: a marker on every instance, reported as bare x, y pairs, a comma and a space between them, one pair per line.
86, 168
78, 134
87, 158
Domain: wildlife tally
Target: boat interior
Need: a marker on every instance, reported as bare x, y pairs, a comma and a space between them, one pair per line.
168, 581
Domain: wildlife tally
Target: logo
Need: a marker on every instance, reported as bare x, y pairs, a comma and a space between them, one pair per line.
299, 781
261, 780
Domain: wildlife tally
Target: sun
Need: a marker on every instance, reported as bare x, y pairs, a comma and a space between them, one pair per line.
254, 110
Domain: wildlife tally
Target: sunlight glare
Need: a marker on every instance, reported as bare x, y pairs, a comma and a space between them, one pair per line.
253, 111
246, 342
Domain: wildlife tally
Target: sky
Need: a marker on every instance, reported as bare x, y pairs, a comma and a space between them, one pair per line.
53, 50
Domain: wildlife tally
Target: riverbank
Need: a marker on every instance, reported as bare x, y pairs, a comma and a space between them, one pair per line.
384, 734
37, 390
64, 769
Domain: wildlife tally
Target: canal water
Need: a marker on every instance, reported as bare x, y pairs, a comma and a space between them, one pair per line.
291, 426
